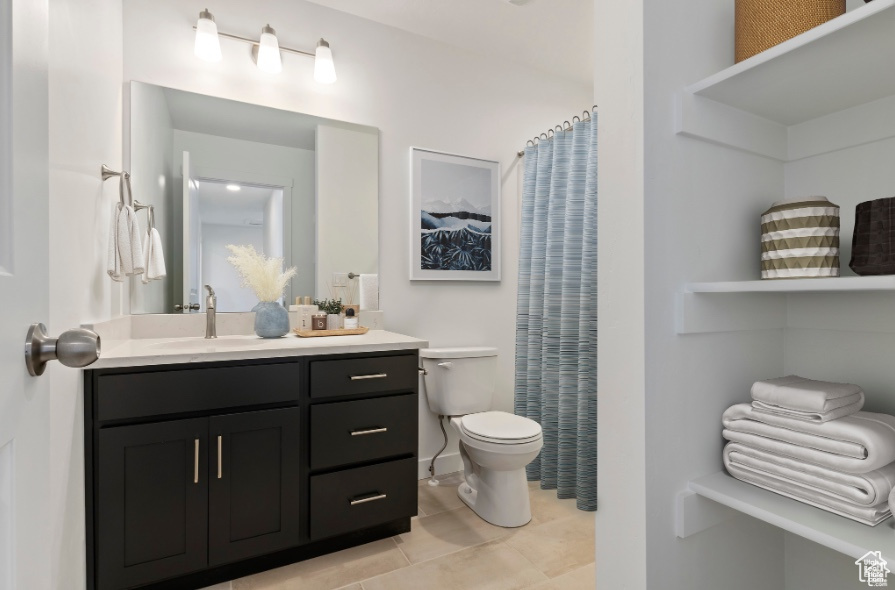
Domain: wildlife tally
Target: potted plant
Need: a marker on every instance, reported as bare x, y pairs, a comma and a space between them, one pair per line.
266, 277
332, 308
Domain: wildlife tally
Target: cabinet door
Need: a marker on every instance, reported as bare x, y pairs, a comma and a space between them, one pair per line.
152, 502
253, 490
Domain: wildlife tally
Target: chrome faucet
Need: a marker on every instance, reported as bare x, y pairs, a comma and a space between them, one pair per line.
210, 304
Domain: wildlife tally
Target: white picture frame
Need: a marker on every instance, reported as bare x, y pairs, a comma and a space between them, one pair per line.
455, 217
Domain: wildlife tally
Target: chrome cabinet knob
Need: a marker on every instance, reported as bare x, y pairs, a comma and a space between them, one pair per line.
74, 348
187, 306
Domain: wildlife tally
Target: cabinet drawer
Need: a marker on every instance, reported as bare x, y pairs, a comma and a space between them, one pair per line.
356, 499
365, 430
140, 395
364, 375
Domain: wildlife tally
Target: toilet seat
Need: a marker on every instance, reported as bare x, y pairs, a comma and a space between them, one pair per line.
500, 428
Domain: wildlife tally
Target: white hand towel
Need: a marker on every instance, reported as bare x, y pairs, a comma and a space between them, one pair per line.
369, 292
805, 395
154, 256
126, 248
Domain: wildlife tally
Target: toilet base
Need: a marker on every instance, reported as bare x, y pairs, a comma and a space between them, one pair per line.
501, 498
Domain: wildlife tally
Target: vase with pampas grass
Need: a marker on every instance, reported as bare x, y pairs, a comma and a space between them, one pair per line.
266, 277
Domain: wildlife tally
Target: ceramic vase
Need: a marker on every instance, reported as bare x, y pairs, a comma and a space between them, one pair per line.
271, 319
333, 321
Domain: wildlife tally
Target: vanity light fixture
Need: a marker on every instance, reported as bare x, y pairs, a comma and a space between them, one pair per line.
266, 52
234, 187
324, 68
208, 46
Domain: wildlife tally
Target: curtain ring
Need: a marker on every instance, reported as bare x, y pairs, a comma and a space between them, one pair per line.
544, 135
595, 107
586, 114
530, 141
549, 131
560, 128
576, 119
567, 125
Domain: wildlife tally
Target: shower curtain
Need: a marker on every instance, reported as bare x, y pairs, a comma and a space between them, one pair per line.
556, 317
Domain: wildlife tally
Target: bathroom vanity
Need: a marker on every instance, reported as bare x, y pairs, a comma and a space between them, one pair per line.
215, 461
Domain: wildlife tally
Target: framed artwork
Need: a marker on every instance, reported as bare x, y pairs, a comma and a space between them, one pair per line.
455, 217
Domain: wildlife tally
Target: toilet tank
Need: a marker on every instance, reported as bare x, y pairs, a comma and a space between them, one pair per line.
459, 381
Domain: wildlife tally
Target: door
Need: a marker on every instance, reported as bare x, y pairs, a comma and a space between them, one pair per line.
152, 491
253, 493
25, 555
192, 237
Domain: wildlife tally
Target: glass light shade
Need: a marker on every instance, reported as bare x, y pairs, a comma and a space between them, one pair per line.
269, 59
324, 68
208, 45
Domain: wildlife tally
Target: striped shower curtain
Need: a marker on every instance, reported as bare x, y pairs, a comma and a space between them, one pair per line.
556, 317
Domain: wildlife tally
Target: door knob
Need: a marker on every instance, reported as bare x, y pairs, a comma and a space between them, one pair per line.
73, 348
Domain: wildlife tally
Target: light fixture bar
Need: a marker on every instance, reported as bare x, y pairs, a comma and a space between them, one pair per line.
255, 42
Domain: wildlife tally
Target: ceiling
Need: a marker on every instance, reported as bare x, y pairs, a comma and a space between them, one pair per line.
250, 122
553, 36
220, 206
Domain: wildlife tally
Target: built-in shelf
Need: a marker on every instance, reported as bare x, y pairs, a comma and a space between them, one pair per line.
823, 285
833, 531
827, 89
845, 62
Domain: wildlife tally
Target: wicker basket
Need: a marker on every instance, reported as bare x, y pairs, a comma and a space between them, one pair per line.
761, 24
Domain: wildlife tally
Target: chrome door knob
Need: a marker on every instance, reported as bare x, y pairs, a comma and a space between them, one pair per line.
74, 348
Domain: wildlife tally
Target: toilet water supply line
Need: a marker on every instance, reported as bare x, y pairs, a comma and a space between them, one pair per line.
432, 480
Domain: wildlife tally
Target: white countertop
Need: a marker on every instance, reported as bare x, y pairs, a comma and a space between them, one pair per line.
166, 351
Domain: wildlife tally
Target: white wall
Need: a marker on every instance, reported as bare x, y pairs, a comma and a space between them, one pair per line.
252, 162
219, 273
418, 93
151, 166
85, 114
347, 207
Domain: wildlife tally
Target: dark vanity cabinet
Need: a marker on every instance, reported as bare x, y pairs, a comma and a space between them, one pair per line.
202, 473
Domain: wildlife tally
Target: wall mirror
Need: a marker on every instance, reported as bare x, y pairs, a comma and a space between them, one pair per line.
220, 172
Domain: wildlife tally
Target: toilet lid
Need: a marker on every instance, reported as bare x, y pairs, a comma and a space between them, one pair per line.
500, 427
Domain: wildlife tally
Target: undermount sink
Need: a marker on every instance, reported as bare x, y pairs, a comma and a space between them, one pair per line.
209, 344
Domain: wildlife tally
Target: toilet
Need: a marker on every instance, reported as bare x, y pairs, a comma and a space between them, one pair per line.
495, 446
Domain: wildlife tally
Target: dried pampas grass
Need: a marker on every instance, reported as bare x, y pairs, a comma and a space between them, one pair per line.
259, 273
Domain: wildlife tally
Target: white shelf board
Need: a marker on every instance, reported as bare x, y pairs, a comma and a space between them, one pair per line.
821, 285
845, 62
830, 530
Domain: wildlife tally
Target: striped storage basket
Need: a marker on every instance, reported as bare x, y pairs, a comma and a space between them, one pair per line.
800, 239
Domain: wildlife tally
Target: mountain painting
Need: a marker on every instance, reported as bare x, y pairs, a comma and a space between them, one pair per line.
456, 227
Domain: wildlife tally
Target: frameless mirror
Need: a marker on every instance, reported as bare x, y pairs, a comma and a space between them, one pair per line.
219, 172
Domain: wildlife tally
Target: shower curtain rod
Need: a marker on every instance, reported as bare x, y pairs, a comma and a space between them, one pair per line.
566, 126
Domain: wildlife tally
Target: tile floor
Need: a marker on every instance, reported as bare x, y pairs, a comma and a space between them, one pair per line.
450, 548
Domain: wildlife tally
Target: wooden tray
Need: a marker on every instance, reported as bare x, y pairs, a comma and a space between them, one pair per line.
317, 333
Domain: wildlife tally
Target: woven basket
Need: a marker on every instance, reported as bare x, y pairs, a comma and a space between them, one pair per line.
761, 24
800, 239
873, 243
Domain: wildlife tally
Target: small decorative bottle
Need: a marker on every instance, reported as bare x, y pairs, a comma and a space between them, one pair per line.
350, 319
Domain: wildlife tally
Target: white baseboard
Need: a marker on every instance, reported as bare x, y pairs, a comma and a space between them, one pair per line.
446, 463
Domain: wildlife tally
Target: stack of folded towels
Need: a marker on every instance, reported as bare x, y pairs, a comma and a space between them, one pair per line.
810, 441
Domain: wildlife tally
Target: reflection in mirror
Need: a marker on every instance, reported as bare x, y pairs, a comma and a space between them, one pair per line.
220, 172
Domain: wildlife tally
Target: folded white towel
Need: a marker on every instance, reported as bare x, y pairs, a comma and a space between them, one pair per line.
805, 395
125, 246
742, 464
155, 257
813, 416
865, 489
858, 443
369, 292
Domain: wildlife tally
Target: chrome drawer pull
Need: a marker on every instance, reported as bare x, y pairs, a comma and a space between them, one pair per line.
370, 431
220, 465
373, 376
196, 461
370, 499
